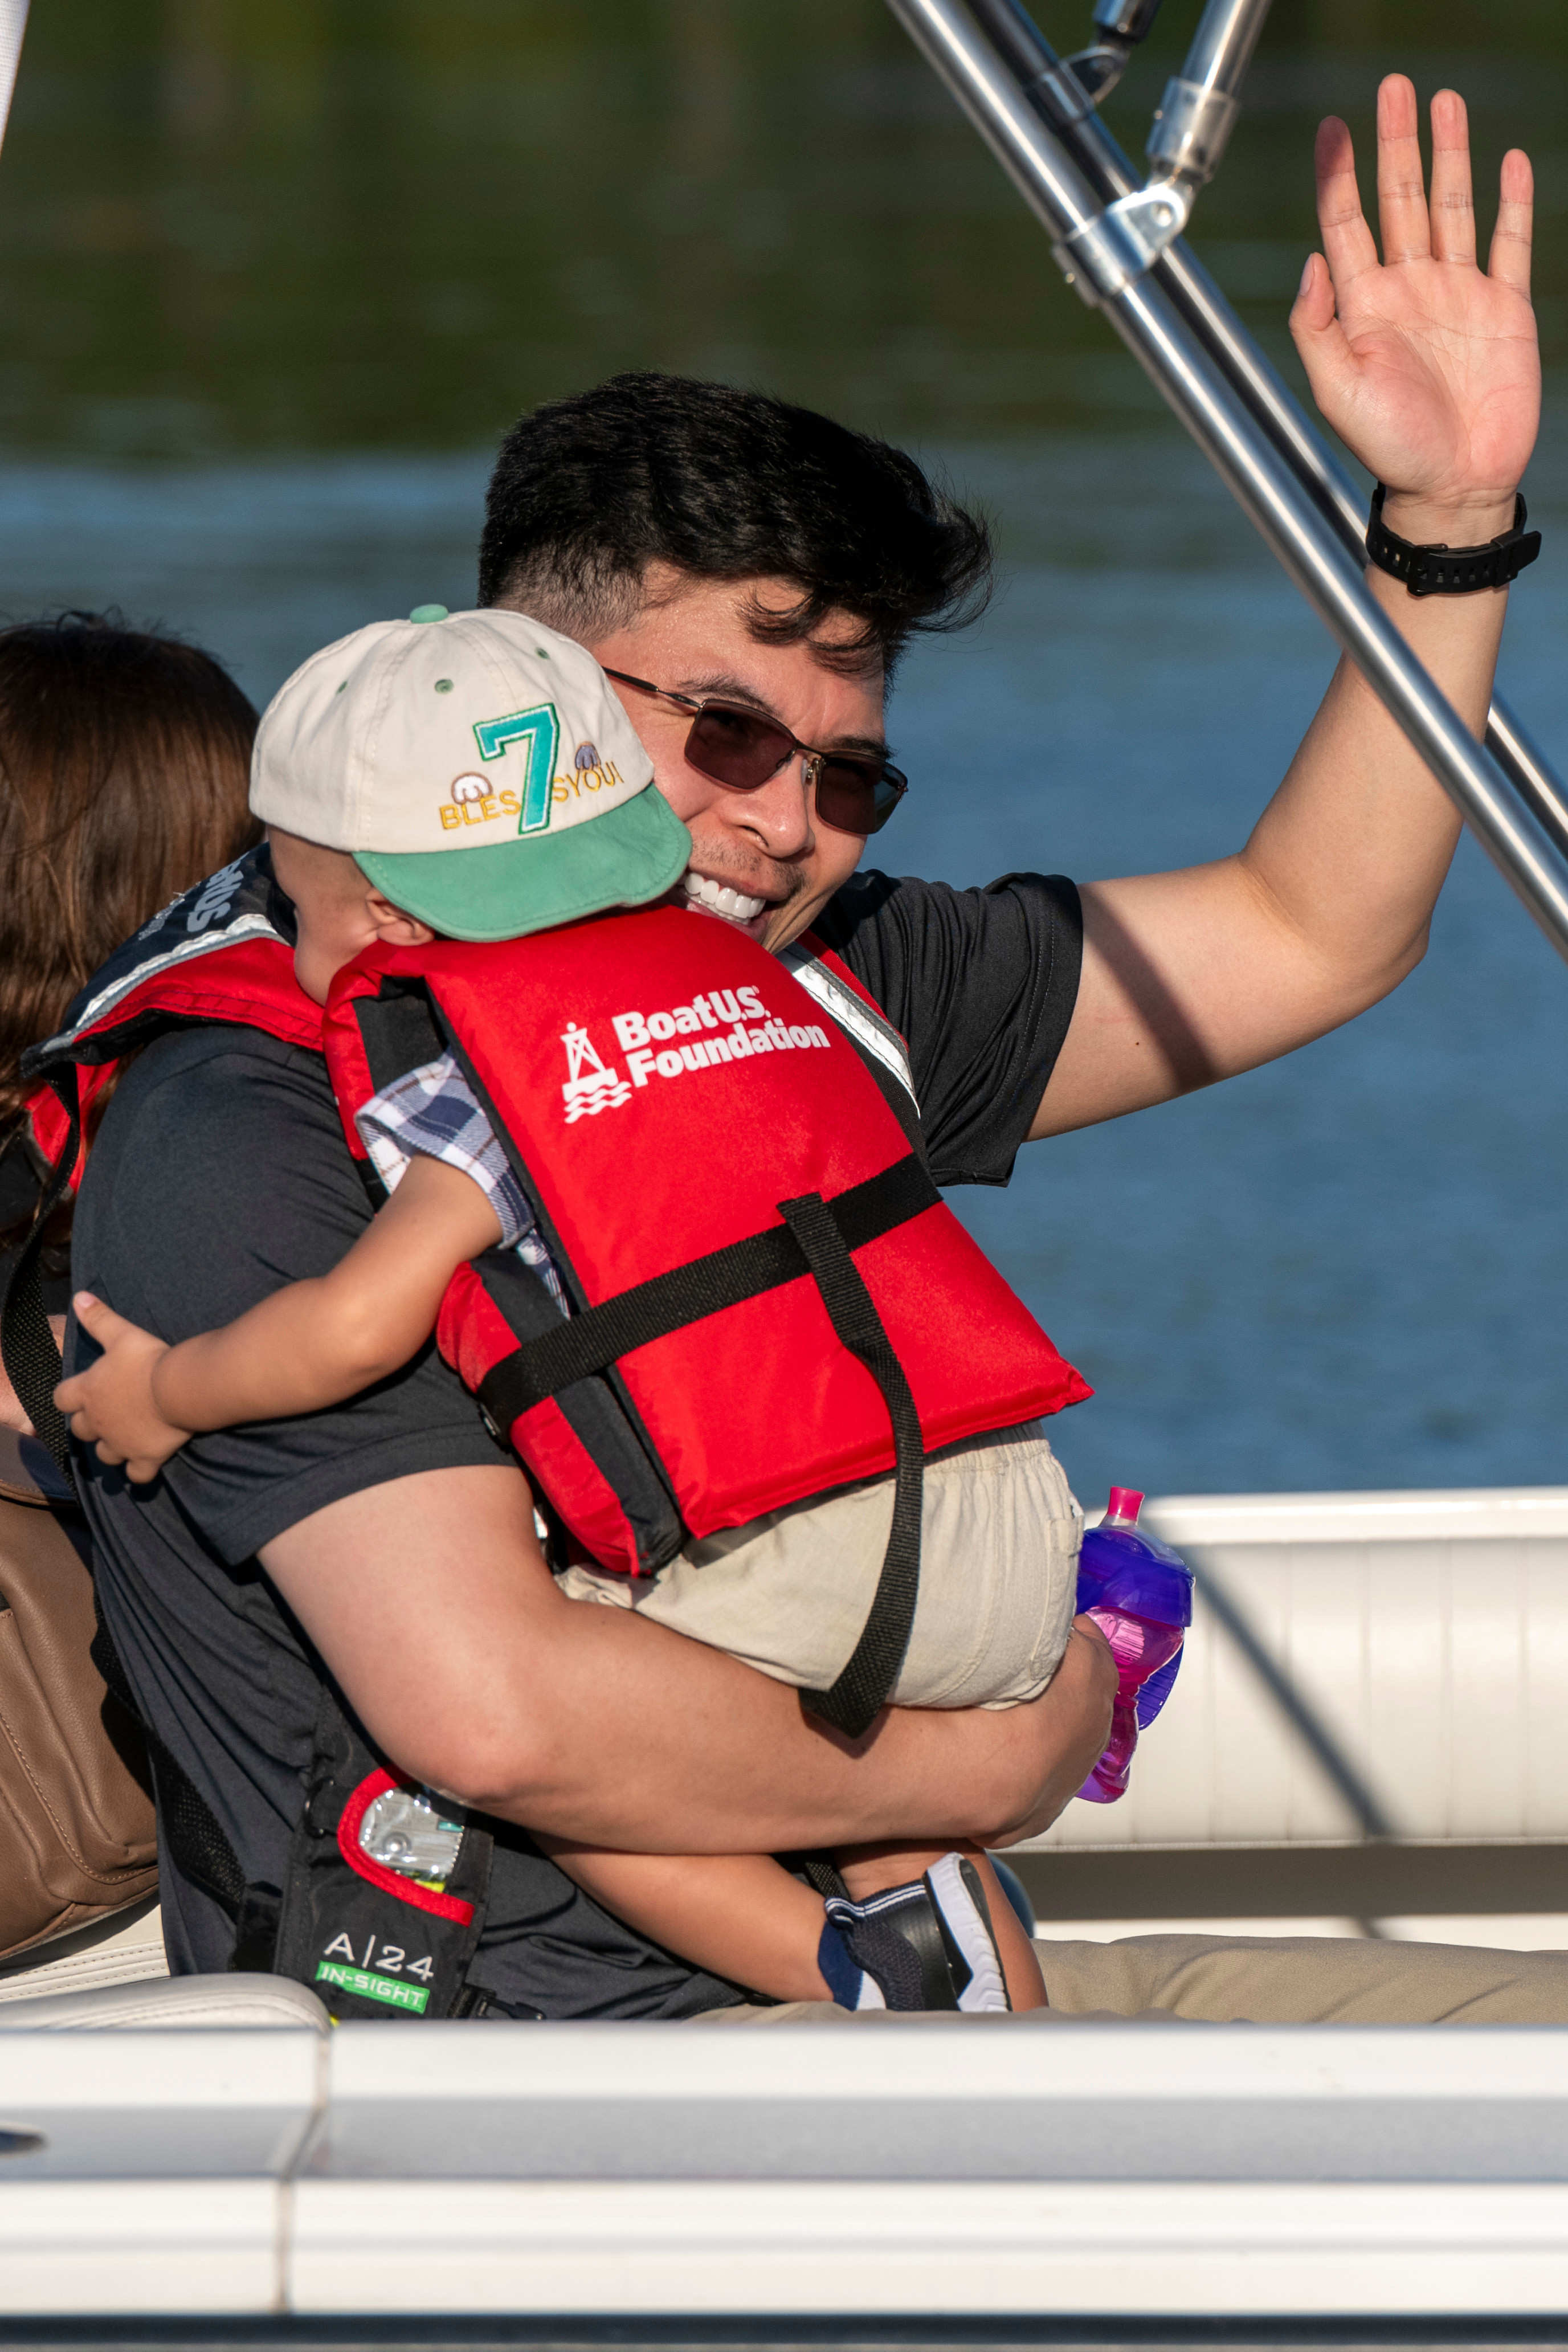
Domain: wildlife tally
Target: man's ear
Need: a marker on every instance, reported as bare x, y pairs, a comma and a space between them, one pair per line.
390, 924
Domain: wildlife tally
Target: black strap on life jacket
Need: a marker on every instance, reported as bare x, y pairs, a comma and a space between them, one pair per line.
817, 1238
872, 1668
591, 1341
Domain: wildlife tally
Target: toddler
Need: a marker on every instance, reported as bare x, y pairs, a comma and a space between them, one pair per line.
354, 753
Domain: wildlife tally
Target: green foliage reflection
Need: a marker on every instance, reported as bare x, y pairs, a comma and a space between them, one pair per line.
252, 224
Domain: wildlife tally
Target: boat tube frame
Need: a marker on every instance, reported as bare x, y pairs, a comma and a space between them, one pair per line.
1119, 242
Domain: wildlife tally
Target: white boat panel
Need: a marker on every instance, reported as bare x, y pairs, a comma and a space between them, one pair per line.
1066, 2167
1115, 2247
202, 2104
1359, 1515
116, 2248
161, 2182
1391, 1664
1053, 2099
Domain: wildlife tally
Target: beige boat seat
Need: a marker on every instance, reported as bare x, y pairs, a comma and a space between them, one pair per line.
167, 2002
114, 1973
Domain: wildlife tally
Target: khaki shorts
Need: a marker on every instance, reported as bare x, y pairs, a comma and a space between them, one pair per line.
1265, 1979
788, 1593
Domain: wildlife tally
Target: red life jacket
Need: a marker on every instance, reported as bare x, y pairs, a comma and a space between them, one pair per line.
770, 1298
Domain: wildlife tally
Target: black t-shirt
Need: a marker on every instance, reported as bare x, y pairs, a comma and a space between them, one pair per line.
982, 984
220, 1173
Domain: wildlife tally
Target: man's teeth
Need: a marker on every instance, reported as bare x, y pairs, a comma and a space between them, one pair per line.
721, 900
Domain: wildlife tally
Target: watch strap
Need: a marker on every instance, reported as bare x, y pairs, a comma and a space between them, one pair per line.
1441, 570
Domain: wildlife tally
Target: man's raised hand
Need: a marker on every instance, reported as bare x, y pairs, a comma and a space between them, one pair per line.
112, 1403
1425, 364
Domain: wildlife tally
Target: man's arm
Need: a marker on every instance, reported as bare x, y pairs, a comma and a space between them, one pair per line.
1428, 369
432, 1606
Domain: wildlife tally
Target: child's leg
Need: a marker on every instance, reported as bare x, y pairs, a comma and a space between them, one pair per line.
742, 1916
739, 1916
866, 1870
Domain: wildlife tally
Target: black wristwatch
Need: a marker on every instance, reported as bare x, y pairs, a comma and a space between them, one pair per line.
1450, 570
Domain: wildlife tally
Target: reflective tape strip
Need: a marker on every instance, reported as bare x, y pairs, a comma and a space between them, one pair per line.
245, 927
857, 1020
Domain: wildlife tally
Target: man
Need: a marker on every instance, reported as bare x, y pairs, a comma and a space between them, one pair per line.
714, 547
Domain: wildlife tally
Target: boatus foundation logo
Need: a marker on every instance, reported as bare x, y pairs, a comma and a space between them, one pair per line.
590, 1087
739, 1026
530, 741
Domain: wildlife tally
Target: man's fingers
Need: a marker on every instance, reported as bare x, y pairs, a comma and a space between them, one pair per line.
1312, 313
1401, 190
1510, 260
1453, 202
1315, 324
1347, 240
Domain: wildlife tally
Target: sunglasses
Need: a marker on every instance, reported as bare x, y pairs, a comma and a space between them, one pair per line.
743, 751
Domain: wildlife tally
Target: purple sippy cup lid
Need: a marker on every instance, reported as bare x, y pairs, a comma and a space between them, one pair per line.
1123, 1507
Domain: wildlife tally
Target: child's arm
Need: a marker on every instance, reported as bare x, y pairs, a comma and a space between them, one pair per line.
739, 1916
314, 1343
744, 1917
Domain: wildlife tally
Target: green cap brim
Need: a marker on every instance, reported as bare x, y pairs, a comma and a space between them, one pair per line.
505, 889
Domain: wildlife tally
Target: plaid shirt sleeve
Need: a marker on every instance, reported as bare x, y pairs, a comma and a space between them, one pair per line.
432, 1111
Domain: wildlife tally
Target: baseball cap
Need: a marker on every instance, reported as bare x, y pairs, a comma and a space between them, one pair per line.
477, 768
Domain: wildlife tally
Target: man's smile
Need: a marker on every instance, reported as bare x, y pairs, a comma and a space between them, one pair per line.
719, 898
744, 911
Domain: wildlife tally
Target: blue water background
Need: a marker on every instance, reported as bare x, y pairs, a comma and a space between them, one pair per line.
1348, 1270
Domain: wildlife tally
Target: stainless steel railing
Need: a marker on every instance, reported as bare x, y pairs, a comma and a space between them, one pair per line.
13, 24
1119, 243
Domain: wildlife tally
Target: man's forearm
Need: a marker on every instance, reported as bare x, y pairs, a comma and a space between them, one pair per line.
433, 1610
1357, 779
686, 1748
1194, 976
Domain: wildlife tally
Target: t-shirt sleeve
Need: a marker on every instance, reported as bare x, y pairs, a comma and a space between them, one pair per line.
983, 984
219, 1175
433, 1113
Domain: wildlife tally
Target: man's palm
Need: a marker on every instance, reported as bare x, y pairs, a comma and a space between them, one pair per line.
1426, 365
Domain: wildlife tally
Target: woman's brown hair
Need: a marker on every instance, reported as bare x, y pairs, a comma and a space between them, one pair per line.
124, 767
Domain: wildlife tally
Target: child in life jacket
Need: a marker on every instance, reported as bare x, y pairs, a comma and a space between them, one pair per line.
388, 832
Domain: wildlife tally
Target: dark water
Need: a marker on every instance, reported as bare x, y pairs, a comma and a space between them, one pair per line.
273, 279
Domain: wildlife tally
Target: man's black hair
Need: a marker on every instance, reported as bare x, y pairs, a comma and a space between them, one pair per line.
589, 491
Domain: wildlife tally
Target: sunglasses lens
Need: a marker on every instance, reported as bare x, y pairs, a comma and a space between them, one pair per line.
855, 797
736, 749
744, 752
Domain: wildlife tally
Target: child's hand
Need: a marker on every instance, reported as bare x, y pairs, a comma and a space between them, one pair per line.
112, 1403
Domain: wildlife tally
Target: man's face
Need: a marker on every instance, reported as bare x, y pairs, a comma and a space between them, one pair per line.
767, 845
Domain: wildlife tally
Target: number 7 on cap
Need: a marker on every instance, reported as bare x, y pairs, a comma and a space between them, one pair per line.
539, 731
